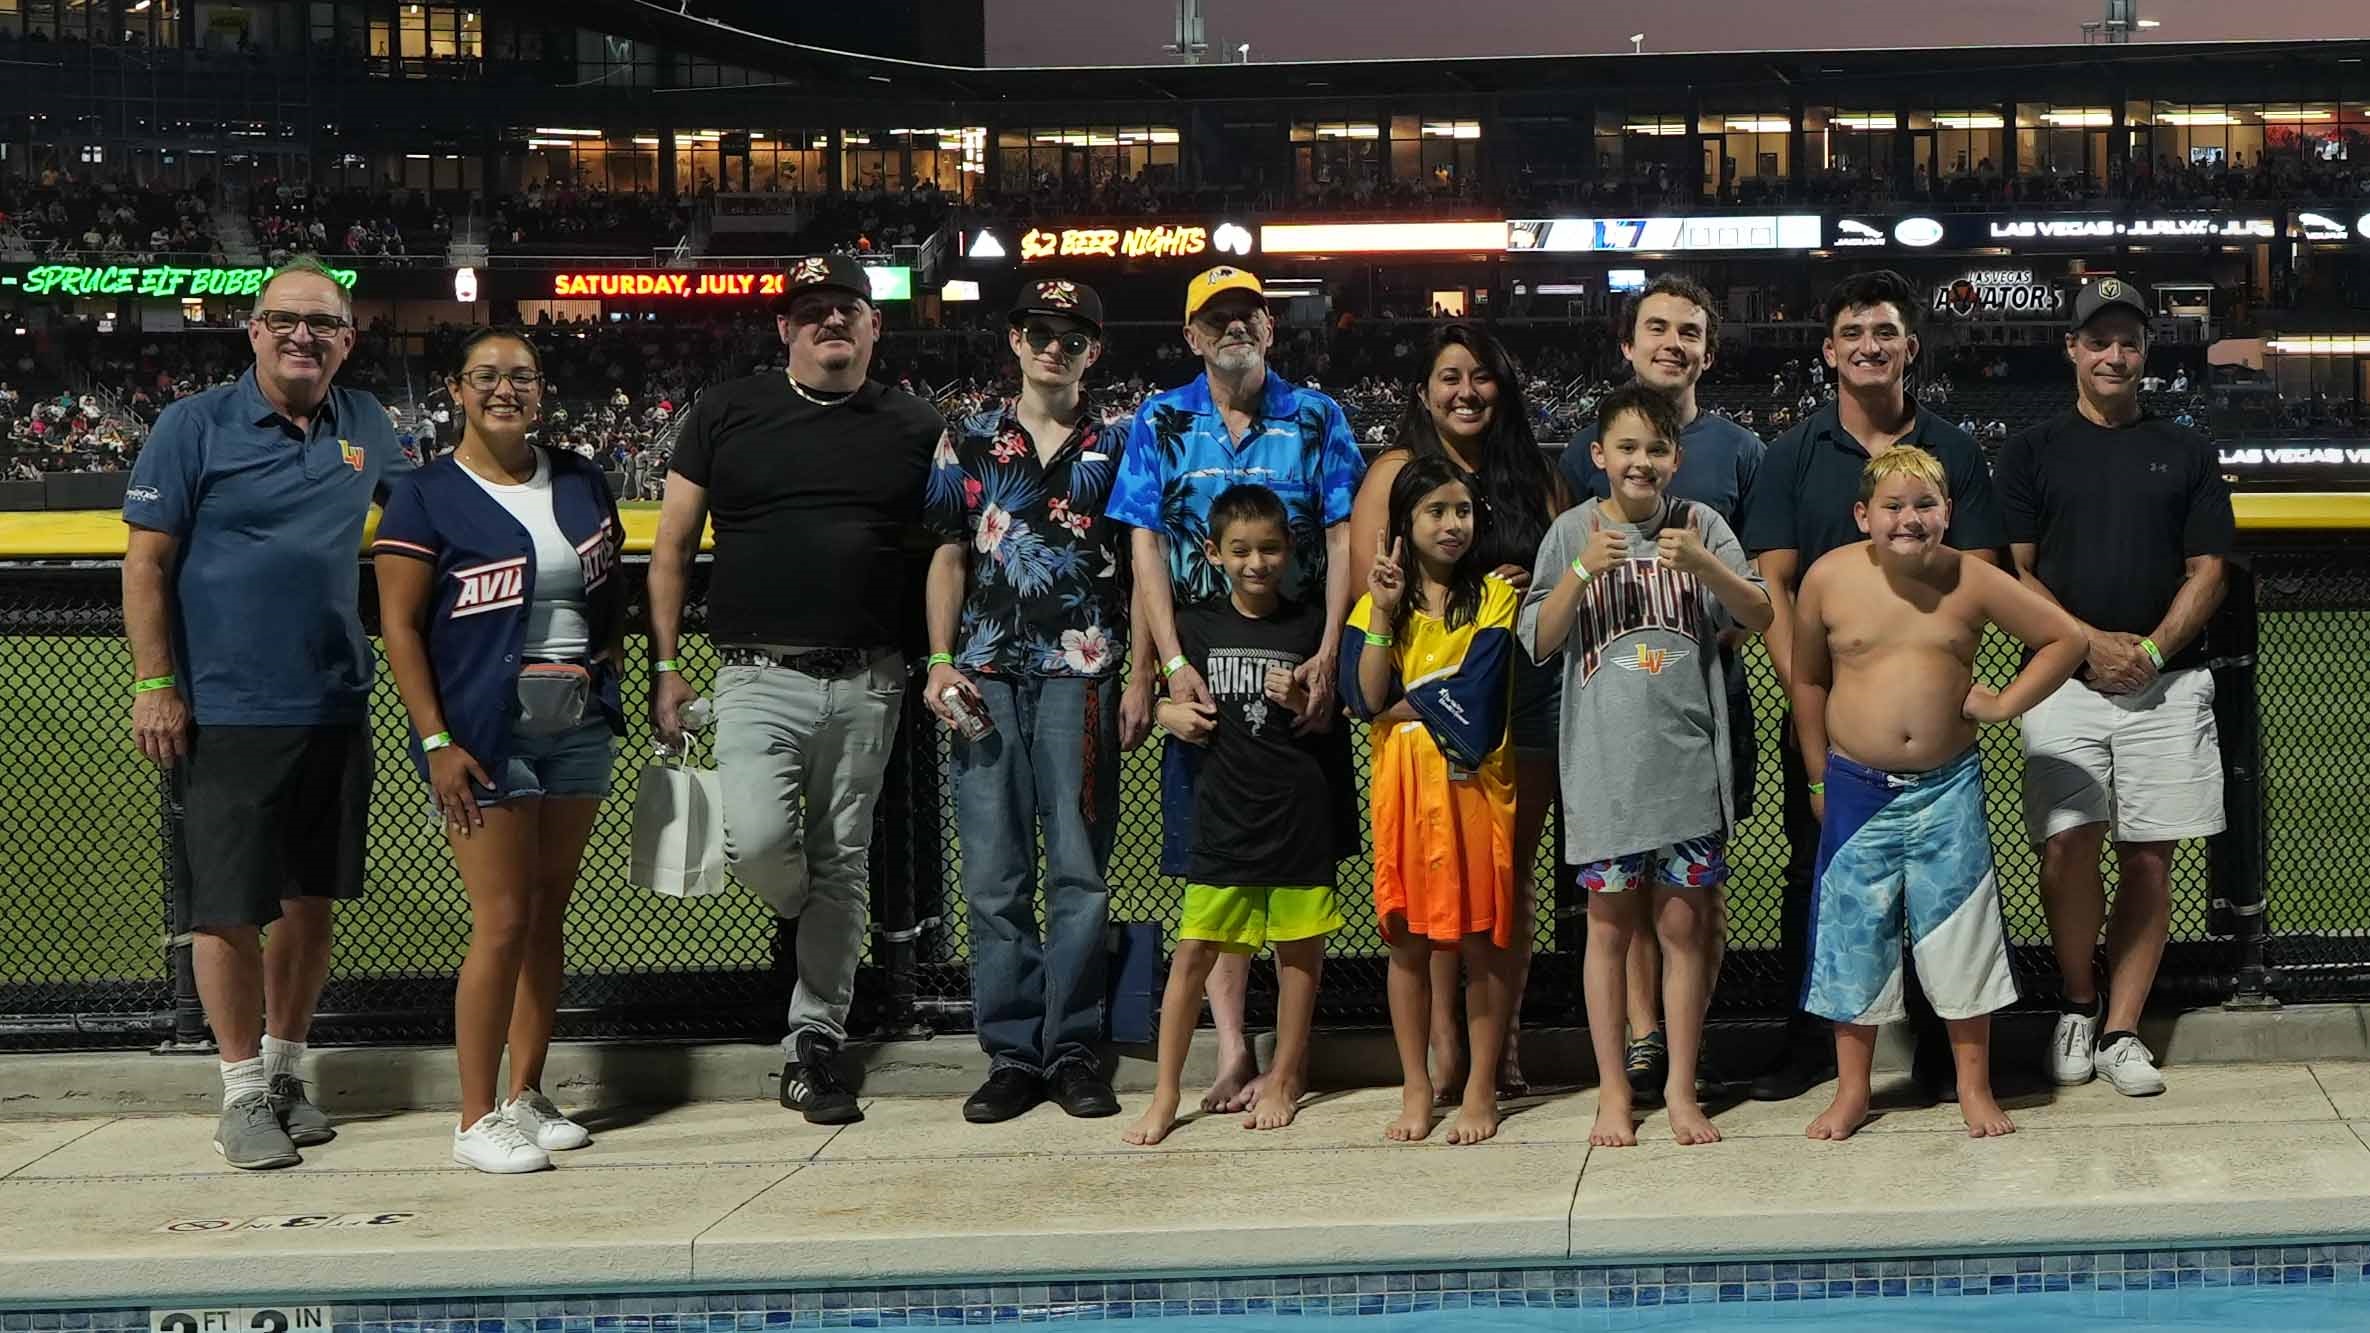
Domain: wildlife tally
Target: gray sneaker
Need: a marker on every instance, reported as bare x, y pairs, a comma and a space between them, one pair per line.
307, 1124
249, 1135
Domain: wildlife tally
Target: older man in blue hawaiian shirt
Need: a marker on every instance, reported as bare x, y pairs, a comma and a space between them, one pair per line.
1237, 422
1028, 617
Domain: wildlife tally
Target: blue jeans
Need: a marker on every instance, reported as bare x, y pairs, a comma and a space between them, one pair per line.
1054, 760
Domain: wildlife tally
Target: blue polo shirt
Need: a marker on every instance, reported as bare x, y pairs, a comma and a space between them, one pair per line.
1180, 458
1803, 499
268, 521
1718, 461
485, 584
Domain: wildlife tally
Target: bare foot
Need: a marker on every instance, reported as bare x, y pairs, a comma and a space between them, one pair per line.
1475, 1121
1415, 1115
1843, 1117
1615, 1127
1232, 1090
1156, 1122
1448, 1069
1689, 1125
1511, 1083
1278, 1102
1985, 1119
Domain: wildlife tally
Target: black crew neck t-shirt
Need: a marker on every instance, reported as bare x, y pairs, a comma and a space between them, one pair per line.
812, 505
2114, 513
1263, 802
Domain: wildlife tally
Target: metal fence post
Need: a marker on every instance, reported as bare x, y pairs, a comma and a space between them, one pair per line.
188, 1033
2238, 858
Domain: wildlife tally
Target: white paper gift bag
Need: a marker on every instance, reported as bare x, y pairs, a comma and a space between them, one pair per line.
678, 831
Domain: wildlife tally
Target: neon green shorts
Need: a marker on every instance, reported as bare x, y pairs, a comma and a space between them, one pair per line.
1242, 919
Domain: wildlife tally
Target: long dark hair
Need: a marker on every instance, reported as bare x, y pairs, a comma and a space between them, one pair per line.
1415, 481
1512, 505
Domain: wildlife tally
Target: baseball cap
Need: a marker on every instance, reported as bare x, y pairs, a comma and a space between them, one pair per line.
839, 271
1224, 278
2109, 293
1059, 296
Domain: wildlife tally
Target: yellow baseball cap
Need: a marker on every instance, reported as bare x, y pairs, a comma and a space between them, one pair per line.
1224, 278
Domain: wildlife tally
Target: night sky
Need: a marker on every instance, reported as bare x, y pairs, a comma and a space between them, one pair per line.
1131, 32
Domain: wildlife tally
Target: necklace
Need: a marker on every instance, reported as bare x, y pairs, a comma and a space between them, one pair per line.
817, 396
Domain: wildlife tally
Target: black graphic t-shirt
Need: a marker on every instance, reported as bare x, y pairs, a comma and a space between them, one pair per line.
1262, 800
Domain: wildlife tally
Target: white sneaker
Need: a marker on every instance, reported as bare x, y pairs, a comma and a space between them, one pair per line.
2073, 1050
495, 1145
2131, 1067
544, 1123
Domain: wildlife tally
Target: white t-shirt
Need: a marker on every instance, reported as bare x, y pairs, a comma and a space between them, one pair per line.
556, 623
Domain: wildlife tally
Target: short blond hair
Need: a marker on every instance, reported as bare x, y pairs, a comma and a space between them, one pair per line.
1903, 460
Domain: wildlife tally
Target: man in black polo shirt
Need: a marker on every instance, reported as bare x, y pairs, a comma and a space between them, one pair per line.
1800, 508
814, 476
2124, 519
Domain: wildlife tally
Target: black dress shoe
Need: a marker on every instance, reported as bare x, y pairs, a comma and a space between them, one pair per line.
1805, 1067
1008, 1092
1082, 1091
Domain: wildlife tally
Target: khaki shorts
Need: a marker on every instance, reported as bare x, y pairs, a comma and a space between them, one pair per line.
2147, 764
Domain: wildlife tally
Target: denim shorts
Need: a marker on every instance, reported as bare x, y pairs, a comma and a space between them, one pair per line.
573, 763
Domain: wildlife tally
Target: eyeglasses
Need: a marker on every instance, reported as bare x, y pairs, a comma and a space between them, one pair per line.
1038, 336
484, 378
281, 323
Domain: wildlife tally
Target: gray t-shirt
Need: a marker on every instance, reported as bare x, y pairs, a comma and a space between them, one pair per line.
1644, 755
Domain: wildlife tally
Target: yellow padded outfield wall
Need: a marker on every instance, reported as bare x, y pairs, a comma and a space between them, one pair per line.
98, 534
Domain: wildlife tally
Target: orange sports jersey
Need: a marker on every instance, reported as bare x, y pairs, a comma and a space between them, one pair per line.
1443, 785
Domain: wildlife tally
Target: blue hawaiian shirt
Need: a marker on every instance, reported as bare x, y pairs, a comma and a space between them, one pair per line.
1046, 587
1180, 458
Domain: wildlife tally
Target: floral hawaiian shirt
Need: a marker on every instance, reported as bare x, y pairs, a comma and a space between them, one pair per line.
1046, 591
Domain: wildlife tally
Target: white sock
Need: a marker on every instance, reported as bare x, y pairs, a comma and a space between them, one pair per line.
243, 1079
280, 1057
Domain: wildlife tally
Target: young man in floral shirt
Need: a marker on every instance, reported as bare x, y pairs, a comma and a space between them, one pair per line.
1028, 611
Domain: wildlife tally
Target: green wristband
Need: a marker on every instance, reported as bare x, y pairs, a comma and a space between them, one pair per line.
941, 659
2155, 654
1174, 665
665, 664
1582, 571
442, 740
1378, 640
1818, 789
152, 683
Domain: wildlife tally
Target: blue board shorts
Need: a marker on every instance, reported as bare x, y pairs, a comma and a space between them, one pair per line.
1905, 861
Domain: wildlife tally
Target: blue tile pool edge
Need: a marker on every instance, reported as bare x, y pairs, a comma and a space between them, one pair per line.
1340, 1294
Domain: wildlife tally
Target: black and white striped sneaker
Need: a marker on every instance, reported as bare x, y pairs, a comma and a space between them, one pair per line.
811, 1084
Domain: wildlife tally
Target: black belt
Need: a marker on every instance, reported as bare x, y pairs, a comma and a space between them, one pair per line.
824, 663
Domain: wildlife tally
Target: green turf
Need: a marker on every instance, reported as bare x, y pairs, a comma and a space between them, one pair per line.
80, 842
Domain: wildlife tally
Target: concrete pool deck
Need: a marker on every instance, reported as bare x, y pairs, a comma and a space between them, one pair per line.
746, 1194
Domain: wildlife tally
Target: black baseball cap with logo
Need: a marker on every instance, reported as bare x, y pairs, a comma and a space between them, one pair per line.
2106, 294
1059, 296
839, 272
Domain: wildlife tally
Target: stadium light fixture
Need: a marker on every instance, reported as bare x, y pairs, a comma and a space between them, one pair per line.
1637, 43
1245, 52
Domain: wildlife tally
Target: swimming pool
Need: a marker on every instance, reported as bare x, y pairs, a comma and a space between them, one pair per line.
2305, 1287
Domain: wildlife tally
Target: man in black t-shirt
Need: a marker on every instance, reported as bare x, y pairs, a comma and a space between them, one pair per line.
2124, 519
814, 477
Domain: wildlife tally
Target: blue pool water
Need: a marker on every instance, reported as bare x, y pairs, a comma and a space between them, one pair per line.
2289, 1309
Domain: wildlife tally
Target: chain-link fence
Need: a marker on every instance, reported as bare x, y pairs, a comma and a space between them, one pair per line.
85, 956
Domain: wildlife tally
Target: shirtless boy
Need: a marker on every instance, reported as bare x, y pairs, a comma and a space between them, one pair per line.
1886, 703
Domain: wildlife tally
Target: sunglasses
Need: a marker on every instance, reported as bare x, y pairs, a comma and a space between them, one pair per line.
1038, 336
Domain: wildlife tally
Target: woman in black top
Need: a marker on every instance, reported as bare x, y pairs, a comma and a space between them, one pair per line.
1471, 410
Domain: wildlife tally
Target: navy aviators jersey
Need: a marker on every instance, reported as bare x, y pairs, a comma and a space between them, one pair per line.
485, 583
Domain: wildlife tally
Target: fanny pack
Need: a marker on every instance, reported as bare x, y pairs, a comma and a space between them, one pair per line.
552, 697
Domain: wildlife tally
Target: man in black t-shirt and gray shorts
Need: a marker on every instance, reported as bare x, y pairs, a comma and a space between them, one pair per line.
814, 477
2124, 519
